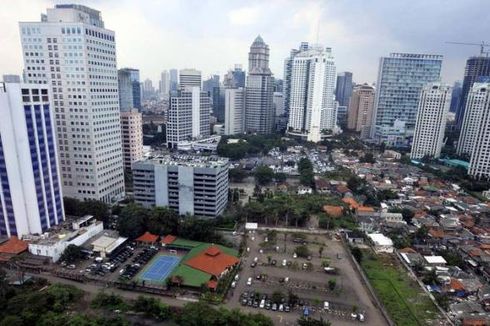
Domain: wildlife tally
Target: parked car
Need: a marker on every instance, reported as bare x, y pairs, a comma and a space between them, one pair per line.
233, 284
249, 281
262, 304
326, 305
274, 306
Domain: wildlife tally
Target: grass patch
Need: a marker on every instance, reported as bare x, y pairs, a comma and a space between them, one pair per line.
406, 303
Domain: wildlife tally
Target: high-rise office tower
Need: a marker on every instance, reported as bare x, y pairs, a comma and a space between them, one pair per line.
401, 77
164, 84
475, 133
477, 103
189, 78
312, 107
234, 111
343, 91
174, 79
209, 84
342, 117
196, 185
238, 76
218, 98
72, 52
30, 187
188, 116
456, 96
148, 90
435, 99
476, 67
132, 137
259, 111
288, 66
360, 112
129, 89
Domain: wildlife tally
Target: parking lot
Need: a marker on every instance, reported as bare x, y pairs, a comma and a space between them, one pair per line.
285, 286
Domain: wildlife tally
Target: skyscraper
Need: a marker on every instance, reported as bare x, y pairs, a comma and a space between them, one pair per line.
343, 91
288, 66
477, 107
360, 112
129, 89
476, 67
189, 78
434, 103
476, 130
234, 78
164, 84
148, 90
218, 97
234, 111
312, 107
188, 115
132, 137
174, 79
72, 52
209, 84
259, 112
456, 96
30, 187
401, 77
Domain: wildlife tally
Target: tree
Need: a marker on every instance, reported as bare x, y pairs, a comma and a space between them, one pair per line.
152, 307
71, 254
407, 214
331, 284
320, 251
368, 158
264, 175
132, 221
163, 221
280, 177
277, 296
357, 253
237, 174
306, 175
302, 251
354, 183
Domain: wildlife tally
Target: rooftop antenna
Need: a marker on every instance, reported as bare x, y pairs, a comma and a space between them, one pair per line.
482, 46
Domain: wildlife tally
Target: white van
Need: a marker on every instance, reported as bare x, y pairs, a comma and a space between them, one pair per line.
233, 284
249, 281
262, 304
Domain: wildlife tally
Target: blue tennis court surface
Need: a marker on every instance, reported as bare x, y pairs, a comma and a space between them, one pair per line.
160, 268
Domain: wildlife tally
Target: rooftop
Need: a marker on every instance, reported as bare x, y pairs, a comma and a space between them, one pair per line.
187, 160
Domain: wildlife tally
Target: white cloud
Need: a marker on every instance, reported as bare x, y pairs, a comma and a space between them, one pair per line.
244, 16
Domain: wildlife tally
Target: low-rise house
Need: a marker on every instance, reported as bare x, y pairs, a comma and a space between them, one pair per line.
381, 243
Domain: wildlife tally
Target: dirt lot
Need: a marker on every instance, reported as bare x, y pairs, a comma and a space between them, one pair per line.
310, 285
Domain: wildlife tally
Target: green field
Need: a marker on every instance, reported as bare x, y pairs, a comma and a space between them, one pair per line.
403, 298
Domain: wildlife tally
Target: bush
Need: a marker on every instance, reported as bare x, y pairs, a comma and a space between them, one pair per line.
108, 301
302, 251
152, 308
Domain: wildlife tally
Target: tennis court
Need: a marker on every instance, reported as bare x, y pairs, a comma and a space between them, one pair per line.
159, 268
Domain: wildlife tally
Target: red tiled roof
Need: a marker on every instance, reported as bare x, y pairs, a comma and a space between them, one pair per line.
334, 211
436, 233
168, 239
351, 202
13, 246
147, 237
474, 322
456, 285
408, 250
365, 209
212, 284
212, 261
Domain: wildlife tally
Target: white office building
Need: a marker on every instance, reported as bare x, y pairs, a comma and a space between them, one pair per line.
72, 52
164, 84
434, 103
31, 200
476, 104
312, 106
234, 111
475, 133
196, 185
401, 77
132, 137
188, 116
189, 78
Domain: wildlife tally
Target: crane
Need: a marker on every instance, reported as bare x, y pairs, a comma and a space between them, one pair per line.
482, 46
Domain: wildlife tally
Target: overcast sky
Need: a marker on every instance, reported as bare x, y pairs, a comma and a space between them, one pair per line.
213, 35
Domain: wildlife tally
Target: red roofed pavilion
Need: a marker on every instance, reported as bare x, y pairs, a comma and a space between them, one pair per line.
168, 239
213, 261
147, 237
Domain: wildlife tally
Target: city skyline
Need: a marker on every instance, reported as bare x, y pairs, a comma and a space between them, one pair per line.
358, 33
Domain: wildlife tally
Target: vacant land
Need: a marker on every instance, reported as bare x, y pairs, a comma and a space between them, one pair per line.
406, 303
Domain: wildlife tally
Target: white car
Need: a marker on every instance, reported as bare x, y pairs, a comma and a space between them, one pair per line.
249, 281
262, 304
360, 317
237, 277
326, 305
233, 284
284, 262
